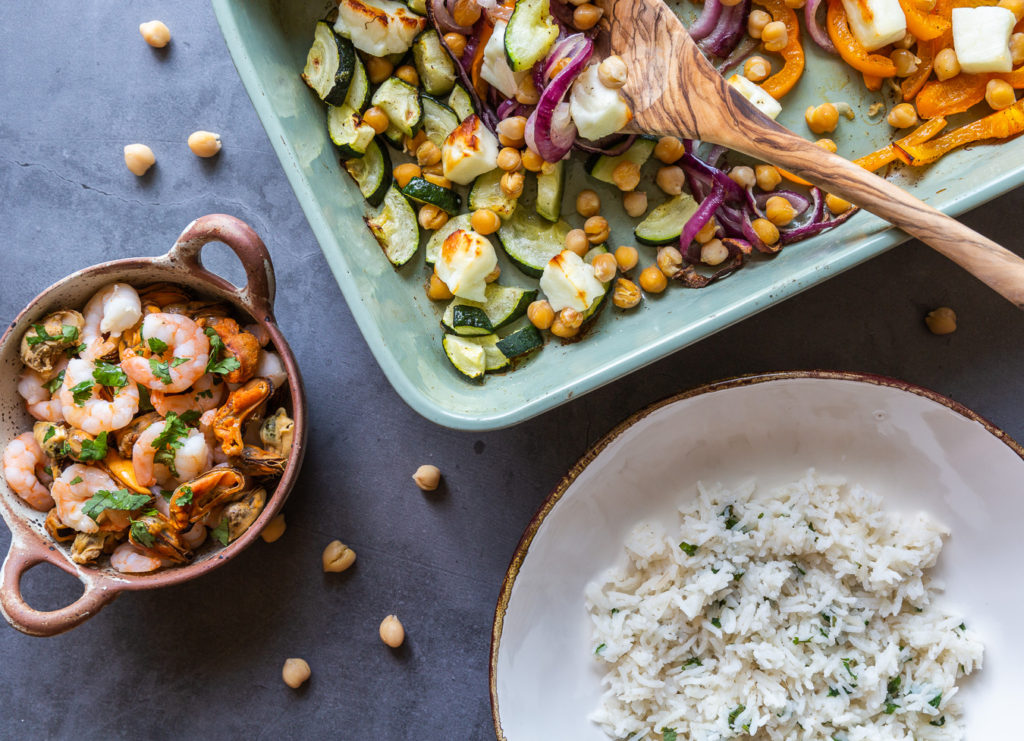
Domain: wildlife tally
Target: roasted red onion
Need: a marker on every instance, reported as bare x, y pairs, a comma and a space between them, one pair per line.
707, 20
610, 146
815, 29
732, 24
441, 17
550, 131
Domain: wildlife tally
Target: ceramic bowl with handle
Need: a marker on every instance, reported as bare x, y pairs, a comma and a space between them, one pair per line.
183, 266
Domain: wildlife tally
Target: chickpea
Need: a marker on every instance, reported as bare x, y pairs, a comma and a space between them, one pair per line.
925, 6
378, 69
427, 477
274, 529
757, 69
376, 119
775, 36
540, 314
1017, 49
456, 42
795, 4
466, 12
511, 131
411, 144
827, 144
437, 289
767, 177
779, 210
576, 241
730, 3
431, 175
493, 275
391, 630
588, 203
941, 320
605, 267
532, 161
155, 33
406, 172
837, 205
707, 232
670, 261
509, 159
903, 116
635, 203
999, 94
626, 257
337, 557
765, 230
559, 329
669, 149
612, 72
906, 42
559, 66
653, 280
484, 221
295, 672
407, 73
626, 175
756, 22
570, 318
138, 158
743, 176
596, 228
586, 16
626, 294
1014, 6
427, 154
670, 179
714, 252
204, 143
512, 184
431, 217
822, 119
905, 61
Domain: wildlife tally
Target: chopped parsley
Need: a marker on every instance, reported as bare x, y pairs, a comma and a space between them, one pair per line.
716, 622
939, 723
934, 702
890, 708
688, 548
735, 714
833, 692
894, 685
68, 334
145, 405
55, 383
75, 480
846, 664
205, 394
190, 417
121, 499
798, 641
169, 441
668, 734
599, 648
157, 346
693, 661
220, 360
50, 432
107, 374
140, 534
730, 521
220, 533
94, 450
186, 497
82, 392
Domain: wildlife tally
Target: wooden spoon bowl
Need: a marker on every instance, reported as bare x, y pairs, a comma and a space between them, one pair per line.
679, 93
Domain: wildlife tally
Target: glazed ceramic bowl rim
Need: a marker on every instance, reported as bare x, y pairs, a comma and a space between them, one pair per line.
549, 503
254, 300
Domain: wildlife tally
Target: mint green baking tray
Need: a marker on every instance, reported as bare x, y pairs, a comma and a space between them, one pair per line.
268, 40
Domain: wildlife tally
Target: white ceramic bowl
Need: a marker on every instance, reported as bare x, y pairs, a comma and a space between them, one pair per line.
919, 450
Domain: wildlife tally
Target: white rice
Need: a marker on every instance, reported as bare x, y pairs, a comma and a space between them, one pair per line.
828, 623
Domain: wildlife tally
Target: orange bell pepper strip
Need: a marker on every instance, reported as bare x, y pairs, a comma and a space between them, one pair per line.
850, 49
479, 84
924, 26
912, 84
872, 83
999, 125
882, 157
793, 54
947, 97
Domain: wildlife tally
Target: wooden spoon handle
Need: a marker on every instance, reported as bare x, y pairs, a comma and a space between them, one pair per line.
992, 264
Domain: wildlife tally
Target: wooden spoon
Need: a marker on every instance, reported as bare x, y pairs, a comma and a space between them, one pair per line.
673, 89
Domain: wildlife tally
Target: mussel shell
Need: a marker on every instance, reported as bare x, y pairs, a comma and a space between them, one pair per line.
90, 546
42, 356
127, 436
278, 433
259, 462
243, 513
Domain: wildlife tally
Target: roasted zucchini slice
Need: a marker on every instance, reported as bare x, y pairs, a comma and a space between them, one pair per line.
395, 228
372, 172
329, 64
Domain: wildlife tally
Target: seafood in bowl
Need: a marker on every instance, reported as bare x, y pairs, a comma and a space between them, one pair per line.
155, 426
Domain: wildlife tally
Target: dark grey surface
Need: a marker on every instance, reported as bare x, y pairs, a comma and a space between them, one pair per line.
76, 84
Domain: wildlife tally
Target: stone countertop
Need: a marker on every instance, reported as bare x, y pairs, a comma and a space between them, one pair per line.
76, 84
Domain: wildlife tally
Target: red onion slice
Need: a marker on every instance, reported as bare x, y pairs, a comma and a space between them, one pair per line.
550, 131
443, 19
815, 29
706, 21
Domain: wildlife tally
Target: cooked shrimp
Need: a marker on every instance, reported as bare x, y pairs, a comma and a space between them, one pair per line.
40, 403
184, 360
259, 332
190, 460
74, 487
128, 559
22, 458
95, 414
271, 366
207, 393
111, 311
195, 536
206, 427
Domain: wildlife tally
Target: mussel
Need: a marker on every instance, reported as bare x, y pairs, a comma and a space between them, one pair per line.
243, 403
193, 500
90, 546
243, 513
43, 346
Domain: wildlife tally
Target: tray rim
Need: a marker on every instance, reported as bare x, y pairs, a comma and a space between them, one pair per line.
879, 239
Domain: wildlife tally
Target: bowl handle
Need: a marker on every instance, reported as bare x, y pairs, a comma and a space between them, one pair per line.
45, 623
258, 294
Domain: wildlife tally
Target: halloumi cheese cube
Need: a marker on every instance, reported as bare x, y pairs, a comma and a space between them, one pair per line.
756, 94
875, 23
981, 39
469, 151
378, 27
597, 111
568, 282
466, 259
495, 68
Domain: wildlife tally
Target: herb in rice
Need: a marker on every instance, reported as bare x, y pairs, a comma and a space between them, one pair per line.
804, 614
